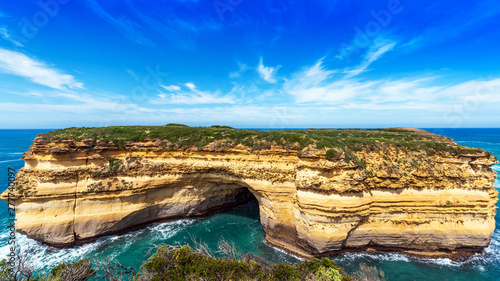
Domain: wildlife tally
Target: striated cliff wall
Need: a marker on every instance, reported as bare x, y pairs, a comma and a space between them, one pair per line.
73, 191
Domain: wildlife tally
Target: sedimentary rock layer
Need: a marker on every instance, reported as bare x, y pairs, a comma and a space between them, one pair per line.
70, 192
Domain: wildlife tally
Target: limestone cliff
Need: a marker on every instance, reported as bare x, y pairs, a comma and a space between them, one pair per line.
312, 201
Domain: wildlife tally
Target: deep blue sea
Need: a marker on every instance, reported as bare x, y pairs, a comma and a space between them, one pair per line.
242, 226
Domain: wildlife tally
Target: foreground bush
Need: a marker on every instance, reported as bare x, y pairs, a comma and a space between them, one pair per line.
186, 263
77, 271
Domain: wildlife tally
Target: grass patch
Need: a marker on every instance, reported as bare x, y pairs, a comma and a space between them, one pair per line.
183, 137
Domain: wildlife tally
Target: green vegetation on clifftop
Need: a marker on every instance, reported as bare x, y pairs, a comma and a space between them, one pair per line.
220, 138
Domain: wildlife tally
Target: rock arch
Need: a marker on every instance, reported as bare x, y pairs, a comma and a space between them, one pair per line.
309, 206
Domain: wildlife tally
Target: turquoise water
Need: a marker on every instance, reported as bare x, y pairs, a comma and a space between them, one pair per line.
242, 226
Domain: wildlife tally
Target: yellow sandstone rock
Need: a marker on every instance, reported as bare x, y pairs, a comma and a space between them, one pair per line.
72, 192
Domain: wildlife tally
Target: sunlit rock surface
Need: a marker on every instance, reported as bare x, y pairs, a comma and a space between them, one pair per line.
71, 192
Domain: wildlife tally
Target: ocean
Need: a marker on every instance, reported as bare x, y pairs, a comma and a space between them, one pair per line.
241, 225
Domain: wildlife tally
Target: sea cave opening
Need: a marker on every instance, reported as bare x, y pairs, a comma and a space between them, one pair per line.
236, 219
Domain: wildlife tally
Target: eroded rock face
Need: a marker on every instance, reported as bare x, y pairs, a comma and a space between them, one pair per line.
71, 192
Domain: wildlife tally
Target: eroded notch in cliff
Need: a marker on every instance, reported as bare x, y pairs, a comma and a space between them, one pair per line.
74, 208
362, 221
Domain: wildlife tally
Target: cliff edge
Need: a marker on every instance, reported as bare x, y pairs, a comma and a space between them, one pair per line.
320, 191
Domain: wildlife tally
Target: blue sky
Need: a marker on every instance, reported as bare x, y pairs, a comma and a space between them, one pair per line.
250, 64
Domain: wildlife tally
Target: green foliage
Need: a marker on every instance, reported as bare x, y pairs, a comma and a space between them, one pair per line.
96, 186
202, 144
119, 142
285, 272
25, 189
182, 137
176, 125
5, 271
114, 165
347, 157
324, 273
185, 263
330, 153
221, 127
77, 271
119, 185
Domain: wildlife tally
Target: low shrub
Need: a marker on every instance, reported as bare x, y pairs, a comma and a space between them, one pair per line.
186, 263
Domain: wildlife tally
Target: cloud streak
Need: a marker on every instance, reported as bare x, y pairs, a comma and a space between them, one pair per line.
317, 84
160, 20
16, 63
191, 95
6, 36
127, 27
373, 54
171, 88
267, 72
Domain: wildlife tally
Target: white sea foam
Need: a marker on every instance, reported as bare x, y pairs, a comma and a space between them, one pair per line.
3, 235
5, 161
282, 251
443, 262
166, 230
478, 261
43, 257
381, 256
485, 142
496, 167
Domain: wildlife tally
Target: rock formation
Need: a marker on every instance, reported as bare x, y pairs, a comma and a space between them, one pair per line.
73, 191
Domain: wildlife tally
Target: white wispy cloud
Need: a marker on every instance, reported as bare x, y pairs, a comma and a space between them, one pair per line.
73, 102
38, 72
407, 89
475, 91
171, 88
234, 74
132, 73
267, 72
427, 90
476, 14
85, 108
145, 25
76, 97
317, 84
6, 36
192, 96
127, 27
241, 69
191, 86
374, 53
